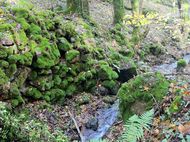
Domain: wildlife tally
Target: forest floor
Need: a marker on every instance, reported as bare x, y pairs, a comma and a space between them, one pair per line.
176, 47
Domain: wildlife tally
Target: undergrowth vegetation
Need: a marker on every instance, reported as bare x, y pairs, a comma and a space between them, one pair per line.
17, 127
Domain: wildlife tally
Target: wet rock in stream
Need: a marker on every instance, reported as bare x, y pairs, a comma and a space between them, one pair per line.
92, 124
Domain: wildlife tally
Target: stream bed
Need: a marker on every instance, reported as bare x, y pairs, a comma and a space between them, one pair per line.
169, 68
106, 118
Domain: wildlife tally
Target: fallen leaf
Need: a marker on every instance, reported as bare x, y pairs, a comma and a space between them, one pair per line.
146, 88
186, 93
185, 128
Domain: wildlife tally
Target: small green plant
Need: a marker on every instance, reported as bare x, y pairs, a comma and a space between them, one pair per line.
134, 128
181, 63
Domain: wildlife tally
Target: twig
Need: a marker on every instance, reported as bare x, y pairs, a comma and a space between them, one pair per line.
77, 127
170, 74
118, 123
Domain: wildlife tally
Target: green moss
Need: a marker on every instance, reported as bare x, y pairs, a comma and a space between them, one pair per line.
14, 90
64, 84
109, 84
20, 12
55, 94
70, 79
20, 80
34, 29
47, 98
49, 24
181, 63
153, 48
3, 78
4, 64
48, 54
145, 87
68, 29
12, 59
90, 84
106, 72
25, 25
71, 89
3, 54
44, 83
63, 44
22, 38
37, 38
57, 80
34, 93
5, 27
33, 76
25, 59
11, 70
71, 54
63, 70
14, 102
82, 76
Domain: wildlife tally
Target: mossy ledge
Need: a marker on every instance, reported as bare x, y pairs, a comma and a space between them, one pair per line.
50, 59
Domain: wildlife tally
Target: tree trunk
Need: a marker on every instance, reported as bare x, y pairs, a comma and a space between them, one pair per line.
179, 3
141, 6
83, 8
78, 6
189, 9
135, 6
181, 13
119, 11
71, 6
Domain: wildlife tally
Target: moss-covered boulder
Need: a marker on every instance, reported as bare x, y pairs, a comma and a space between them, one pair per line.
46, 56
181, 63
141, 92
54, 95
33, 93
71, 55
63, 44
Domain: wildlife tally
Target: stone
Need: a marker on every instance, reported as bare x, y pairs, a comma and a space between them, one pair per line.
147, 88
92, 124
7, 42
100, 90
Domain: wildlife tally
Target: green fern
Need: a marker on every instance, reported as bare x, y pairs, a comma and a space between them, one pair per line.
134, 128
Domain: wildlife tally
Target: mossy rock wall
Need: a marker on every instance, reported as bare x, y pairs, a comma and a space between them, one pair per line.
44, 56
140, 93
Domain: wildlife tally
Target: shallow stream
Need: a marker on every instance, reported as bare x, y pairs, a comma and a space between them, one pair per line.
106, 118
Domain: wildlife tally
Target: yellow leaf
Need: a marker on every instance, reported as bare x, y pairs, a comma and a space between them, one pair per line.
146, 88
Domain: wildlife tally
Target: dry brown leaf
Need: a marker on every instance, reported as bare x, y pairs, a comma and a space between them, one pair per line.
185, 128
146, 88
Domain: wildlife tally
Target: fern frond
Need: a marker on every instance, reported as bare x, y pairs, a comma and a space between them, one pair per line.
134, 127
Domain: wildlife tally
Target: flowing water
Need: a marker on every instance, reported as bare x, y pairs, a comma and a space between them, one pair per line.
170, 67
106, 118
